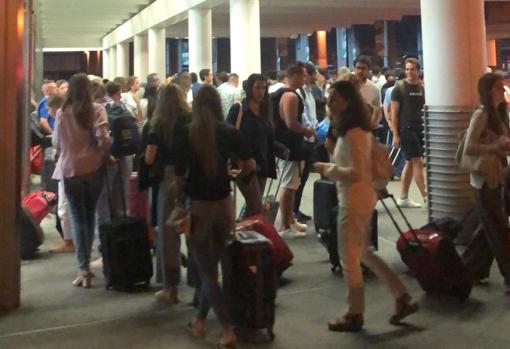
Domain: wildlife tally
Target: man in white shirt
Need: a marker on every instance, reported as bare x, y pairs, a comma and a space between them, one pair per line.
282, 76
229, 92
377, 78
369, 91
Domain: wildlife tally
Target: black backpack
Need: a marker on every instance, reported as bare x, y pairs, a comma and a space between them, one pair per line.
124, 130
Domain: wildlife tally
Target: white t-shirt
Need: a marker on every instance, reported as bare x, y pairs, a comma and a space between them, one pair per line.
371, 93
275, 87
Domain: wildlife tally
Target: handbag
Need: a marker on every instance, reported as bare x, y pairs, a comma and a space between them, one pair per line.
148, 175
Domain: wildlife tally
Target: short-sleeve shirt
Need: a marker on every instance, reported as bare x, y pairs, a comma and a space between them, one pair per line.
199, 186
157, 137
411, 99
371, 93
43, 113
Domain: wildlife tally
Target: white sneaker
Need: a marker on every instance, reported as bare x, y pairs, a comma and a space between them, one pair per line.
290, 233
407, 203
296, 226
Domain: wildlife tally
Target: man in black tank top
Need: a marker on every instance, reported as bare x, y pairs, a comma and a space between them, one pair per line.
407, 100
288, 109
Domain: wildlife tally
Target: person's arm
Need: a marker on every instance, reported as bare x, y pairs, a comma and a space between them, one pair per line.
377, 108
45, 126
474, 147
395, 109
289, 105
358, 155
55, 140
102, 133
233, 113
150, 154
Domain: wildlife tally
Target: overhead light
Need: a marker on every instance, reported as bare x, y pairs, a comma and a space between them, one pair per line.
71, 49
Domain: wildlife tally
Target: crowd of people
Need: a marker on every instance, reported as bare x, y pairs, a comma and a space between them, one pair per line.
195, 135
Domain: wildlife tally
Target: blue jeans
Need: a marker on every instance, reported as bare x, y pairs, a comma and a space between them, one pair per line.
82, 193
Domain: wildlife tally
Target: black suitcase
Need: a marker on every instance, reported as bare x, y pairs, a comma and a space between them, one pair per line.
249, 283
324, 200
126, 250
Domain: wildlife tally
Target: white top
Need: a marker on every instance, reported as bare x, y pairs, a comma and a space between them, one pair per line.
229, 95
275, 87
371, 93
80, 151
379, 81
129, 101
352, 168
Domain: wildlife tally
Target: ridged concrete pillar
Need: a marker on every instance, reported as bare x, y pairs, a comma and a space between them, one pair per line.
454, 59
157, 52
123, 59
200, 39
141, 56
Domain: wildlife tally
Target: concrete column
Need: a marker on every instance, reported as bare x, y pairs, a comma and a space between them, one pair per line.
492, 55
302, 48
453, 31
341, 47
245, 37
123, 59
157, 52
322, 49
106, 57
112, 63
12, 87
200, 39
141, 56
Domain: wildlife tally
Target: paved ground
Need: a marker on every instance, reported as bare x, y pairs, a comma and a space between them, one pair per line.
56, 315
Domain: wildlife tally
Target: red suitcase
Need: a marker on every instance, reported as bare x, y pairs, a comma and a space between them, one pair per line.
282, 255
38, 204
432, 258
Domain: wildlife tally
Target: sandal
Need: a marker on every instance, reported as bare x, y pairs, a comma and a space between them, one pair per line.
194, 331
403, 308
347, 323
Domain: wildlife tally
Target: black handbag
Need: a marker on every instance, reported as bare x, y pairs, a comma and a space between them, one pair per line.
148, 175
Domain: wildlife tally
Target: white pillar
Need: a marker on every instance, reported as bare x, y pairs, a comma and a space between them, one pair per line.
106, 63
245, 37
454, 57
123, 59
112, 63
454, 50
140, 56
200, 39
157, 52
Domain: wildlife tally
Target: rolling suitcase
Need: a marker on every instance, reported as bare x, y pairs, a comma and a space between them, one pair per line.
39, 204
432, 258
127, 259
249, 283
325, 216
281, 253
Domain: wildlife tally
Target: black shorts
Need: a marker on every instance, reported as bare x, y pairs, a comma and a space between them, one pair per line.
411, 142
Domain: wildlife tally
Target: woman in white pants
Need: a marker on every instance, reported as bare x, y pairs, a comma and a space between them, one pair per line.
352, 168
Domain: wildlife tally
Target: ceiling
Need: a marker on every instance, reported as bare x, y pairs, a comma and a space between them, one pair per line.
82, 23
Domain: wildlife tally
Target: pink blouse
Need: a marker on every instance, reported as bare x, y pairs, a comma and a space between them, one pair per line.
80, 151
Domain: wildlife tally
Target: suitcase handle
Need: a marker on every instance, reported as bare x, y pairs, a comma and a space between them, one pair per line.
109, 191
385, 195
271, 184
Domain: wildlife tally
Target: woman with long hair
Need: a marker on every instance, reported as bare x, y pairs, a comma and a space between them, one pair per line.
352, 170
82, 143
253, 116
131, 97
171, 109
487, 139
203, 152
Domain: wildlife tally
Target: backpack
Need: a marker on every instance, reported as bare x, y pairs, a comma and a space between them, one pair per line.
124, 130
382, 169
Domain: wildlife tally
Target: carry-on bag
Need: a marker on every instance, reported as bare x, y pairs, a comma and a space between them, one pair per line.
127, 259
281, 253
39, 204
432, 258
249, 282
